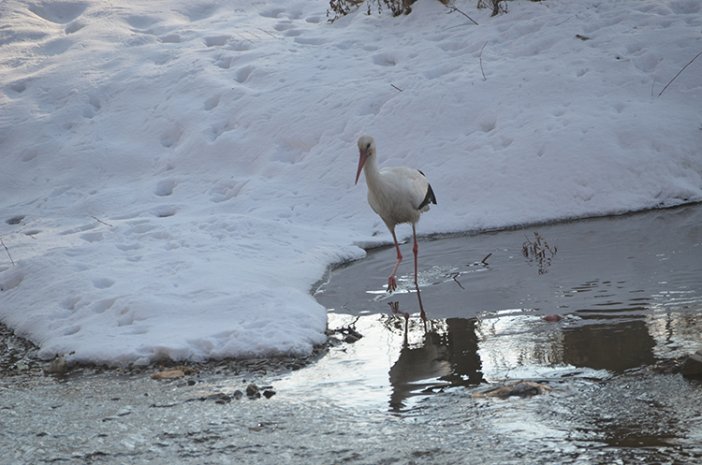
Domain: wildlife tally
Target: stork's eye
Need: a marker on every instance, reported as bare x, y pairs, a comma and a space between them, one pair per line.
368, 146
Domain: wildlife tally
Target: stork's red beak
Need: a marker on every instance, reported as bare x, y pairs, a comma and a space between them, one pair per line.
363, 156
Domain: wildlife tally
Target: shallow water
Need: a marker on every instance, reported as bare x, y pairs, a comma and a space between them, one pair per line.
606, 268
629, 296
620, 293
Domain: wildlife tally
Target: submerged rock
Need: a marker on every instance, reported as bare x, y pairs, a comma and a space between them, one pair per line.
692, 365
252, 391
517, 388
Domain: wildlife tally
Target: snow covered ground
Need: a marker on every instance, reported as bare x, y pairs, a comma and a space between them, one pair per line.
176, 174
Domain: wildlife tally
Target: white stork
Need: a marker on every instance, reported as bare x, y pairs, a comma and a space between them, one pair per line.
398, 195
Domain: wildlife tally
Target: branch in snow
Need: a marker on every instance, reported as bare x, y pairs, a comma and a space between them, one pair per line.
480, 57
679, 73
101, 222
7, 251
454, 9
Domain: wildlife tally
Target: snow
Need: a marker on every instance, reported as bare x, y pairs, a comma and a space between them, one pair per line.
176, 175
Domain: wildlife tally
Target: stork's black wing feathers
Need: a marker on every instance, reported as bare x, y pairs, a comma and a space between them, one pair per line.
429, 198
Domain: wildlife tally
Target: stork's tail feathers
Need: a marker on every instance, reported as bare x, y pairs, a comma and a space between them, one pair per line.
429, 198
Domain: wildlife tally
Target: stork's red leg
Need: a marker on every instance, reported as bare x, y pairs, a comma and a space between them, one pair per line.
415, 251
392, 280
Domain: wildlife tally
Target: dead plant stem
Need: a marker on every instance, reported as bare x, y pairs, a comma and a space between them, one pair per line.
7, 251
679, 73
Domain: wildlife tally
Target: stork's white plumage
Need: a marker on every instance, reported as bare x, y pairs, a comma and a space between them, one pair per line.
398, 195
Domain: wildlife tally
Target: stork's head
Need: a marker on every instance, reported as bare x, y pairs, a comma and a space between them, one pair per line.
366, 149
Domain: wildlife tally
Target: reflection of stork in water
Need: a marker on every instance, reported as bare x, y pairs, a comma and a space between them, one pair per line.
448, 359
418, 368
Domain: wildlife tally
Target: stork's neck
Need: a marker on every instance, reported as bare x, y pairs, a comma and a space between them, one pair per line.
370, 169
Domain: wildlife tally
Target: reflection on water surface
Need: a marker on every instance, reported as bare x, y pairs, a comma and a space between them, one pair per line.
626, 292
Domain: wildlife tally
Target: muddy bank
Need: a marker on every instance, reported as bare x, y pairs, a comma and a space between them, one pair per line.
641, 416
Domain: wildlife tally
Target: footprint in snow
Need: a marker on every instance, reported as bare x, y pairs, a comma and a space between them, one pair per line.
58, 12
11, 280
488, 124
71, 330
311, 40
217, 41
293, 33
165, 187
164, 211
272, 13
56, 47
92, 236
171, 137
103, 305
212, 102
74, 27
199, 11
18, 87
103, 283
243, 74
239, 44
219, 128
283, 26
70, 303
170, 38
225, 190
17, 219
385, 59
224, 62
140, 21
93, 107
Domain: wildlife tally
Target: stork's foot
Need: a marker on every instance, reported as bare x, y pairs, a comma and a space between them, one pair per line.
392, 283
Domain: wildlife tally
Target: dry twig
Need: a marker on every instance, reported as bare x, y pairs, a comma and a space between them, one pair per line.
7, 251
679, 73
349, 333
101, 222
453, 8
480, 57
539, 251
455, 278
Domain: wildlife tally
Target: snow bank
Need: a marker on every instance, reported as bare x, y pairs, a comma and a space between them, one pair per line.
177, 174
